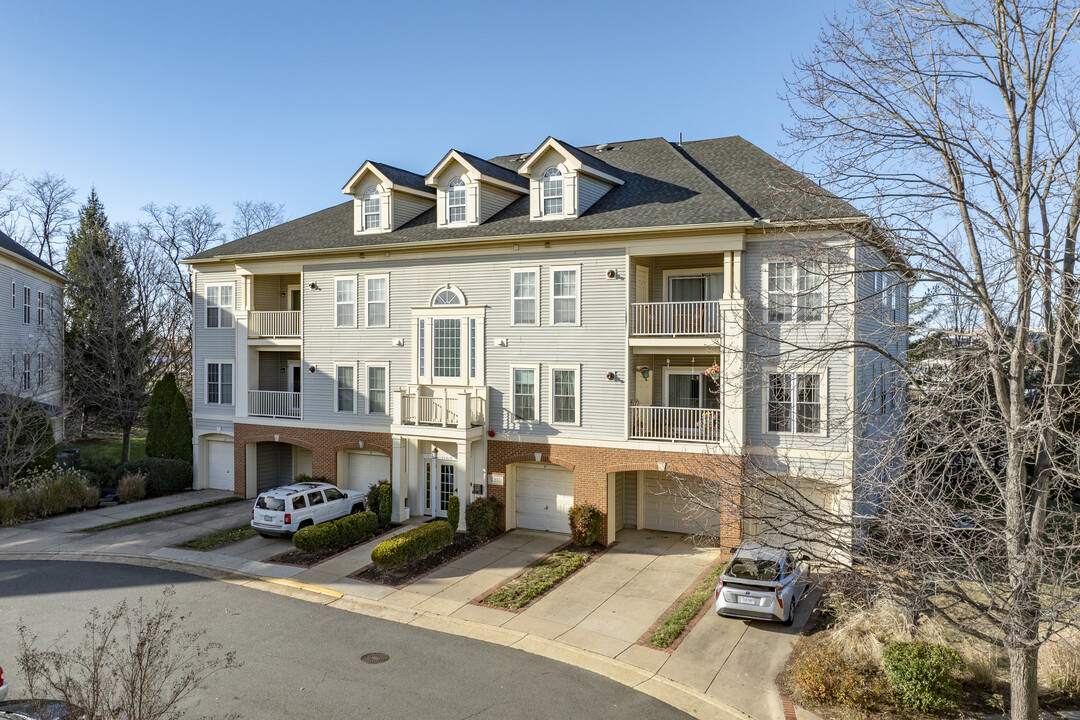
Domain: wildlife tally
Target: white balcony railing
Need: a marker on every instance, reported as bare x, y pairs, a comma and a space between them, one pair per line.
674, 423
273, 323
443, 406
274, 404
702, 317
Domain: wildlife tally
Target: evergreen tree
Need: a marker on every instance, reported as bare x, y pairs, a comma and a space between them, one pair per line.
157, 417
178, 437
106, 353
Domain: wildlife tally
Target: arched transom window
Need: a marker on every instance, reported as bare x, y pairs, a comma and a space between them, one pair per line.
553, 191
446, 296
455, 201
371, 208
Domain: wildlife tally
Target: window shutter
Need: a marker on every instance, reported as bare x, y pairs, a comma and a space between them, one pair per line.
536, 201
472, 203
569, 190
385, 209
765, 291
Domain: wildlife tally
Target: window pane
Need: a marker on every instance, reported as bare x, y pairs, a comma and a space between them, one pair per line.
447, 351
525, 298
376, 301
472, 347
780, 402
808, 404
212, 383
345, 388
684, 390
376, 390
781, 289
524, 312
345, 296
524, 394
421, 349
565, 396
211, 317
811, 293
564, 311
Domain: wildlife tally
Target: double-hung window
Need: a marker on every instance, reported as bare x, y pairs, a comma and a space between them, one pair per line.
14, 366
446, 347
455, 201
26, 306
795, 403
371, 209
565, 394
219, 382
564, 295
219, 303
26, 371
40, 308
14, 296
377, 300
525, 291
376, 389
526, 406
472, 348
40, 369
345, 378
553, 191
345, 302
795, 291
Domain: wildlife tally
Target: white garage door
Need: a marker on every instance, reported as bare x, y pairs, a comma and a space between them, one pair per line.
545, 494
219, 461
366, 469
663, 508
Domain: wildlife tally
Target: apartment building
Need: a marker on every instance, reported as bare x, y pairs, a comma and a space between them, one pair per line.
31, 334
563, 325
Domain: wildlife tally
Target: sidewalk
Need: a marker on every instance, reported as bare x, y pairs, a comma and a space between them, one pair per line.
723, 669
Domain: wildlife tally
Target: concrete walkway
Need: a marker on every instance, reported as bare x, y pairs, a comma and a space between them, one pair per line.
723, 668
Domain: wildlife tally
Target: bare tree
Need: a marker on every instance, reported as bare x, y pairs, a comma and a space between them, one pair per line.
138, 662
10, 201
954, 125
47, 205
253, 216
181, 232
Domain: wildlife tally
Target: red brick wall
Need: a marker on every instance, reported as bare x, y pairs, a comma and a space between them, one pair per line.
323, 444
591, 466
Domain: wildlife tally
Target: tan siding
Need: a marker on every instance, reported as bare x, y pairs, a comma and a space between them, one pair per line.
589, 191
406, 207
493, 199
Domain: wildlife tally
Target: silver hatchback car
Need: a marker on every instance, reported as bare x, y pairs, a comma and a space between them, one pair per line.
761, 583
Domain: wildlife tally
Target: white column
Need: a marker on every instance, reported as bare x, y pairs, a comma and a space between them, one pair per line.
398, 479
736, 274
733, 344
464, 478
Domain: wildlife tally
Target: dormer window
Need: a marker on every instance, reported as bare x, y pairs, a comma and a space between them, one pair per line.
553, 191
455, 201
371, 208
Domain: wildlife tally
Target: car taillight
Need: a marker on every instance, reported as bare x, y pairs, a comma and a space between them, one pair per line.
1, 676
779, 599
288, 518
252, 513
719, 588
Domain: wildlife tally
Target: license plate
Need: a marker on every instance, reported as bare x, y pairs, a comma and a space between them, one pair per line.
746, 600
268, 518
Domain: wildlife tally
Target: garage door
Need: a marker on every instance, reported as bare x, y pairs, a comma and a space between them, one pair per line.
366, 469
545, 494
663, 508
219, 461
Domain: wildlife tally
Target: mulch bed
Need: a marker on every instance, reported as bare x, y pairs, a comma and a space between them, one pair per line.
398, 577
303, 558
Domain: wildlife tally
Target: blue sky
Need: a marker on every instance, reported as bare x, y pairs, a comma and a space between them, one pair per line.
200, 102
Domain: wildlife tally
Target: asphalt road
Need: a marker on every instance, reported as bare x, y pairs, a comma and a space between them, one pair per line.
302, 660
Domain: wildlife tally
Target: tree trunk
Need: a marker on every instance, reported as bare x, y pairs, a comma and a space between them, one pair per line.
125, 454
1023, 675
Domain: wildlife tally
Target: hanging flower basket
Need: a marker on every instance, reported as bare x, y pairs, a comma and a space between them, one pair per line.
713, 373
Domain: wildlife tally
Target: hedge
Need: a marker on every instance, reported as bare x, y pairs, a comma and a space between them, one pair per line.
163, 476
337, 534
386, 504
453, 511
410, 546
483, 515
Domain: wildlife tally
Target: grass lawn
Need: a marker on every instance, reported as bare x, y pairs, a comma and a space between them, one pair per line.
161, 514
213, 541
537, 580
674, 624
107, 446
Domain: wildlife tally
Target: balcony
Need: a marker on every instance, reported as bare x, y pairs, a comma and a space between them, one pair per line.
670, 319
273, 324
443, 407
676, 424
273, 404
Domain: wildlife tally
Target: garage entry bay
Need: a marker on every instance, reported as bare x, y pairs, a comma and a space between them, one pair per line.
545, 494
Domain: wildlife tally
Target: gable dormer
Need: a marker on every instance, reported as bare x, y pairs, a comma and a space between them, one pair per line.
470, 190
386, 197
564, 181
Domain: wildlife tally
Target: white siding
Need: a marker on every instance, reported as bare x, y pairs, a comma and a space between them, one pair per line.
215, 343
22, 338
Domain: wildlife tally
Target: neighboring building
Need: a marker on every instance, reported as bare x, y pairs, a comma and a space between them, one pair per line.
31, 332
536, 327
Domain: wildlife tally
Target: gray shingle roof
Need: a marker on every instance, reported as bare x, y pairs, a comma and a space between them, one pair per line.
9, 244
498, 172
701, 182
403, 177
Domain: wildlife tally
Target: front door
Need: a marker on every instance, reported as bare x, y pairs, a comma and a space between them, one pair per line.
440, 481
294, 297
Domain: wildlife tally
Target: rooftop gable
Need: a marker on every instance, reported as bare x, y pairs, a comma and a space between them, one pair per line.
484, 170
576, 158
392, 178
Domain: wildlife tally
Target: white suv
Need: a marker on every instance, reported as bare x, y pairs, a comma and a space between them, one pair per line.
284, 510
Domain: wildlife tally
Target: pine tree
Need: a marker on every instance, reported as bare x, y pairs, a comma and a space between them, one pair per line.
178, 436
157, 417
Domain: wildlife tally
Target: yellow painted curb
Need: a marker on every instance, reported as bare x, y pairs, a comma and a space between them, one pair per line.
304, 586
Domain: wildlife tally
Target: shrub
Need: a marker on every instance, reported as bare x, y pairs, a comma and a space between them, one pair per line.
178, 439
157, 416
372, 501
386, 504
585, 521
453, 511
337, 534
163, 476
99, 471
410, 546
828, 677
132, 487
41, 493
483, 515
310, 478
923, 675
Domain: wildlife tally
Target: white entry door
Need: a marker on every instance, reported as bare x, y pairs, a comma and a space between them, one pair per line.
220, 465
440, 479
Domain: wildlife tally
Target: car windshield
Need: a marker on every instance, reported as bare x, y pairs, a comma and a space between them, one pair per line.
749, 568
269, 502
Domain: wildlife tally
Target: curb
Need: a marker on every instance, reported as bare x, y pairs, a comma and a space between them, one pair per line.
671, 692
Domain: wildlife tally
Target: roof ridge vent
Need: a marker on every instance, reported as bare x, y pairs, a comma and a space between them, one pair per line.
603, 146
522, 158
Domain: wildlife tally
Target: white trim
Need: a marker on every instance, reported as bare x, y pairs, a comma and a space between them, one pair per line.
536, 298
685, 370
288, 296
823, 392
667, 275
223, 309
231, 362
337, 407
340, 279
577, 295
561, 174
536, 392
577, 392
464, 205
797, 269
452, 288
386, 388
368, 301
371, 191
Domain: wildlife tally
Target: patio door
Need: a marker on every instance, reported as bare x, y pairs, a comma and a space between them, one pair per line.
685, 389
294, 383
440, 475
294, 297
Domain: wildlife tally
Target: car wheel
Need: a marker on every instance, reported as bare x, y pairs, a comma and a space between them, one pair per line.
357, 509
790, 618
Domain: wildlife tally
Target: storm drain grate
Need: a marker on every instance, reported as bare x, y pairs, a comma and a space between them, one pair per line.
374, 658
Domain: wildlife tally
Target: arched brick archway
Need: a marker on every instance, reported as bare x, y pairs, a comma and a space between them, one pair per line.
544, 458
